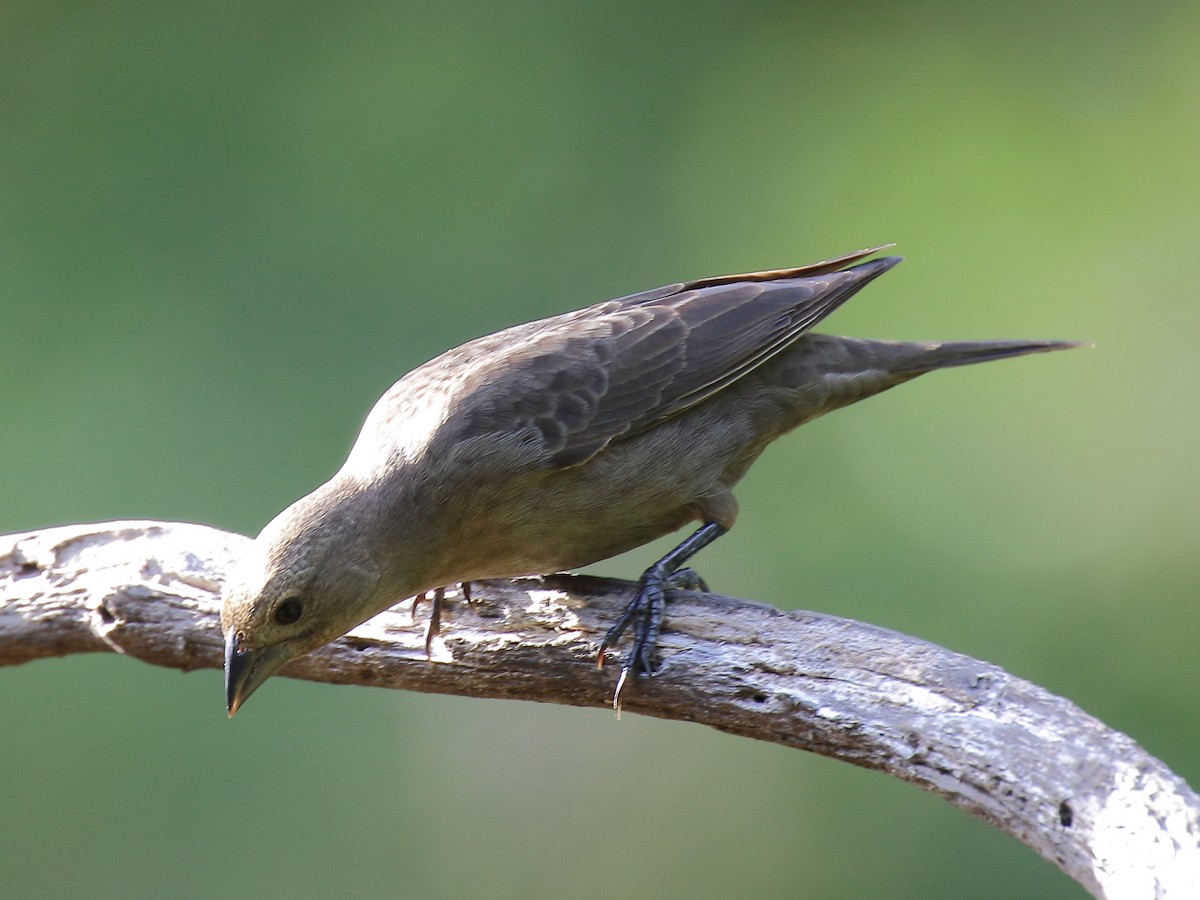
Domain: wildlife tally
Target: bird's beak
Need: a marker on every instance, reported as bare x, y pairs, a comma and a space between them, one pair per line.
246, 669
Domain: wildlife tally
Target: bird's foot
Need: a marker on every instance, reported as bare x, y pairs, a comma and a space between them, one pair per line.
687, 580
437, 602
645, 613
645, 610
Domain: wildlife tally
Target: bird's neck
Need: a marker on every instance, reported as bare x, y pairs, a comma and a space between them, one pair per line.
395, 521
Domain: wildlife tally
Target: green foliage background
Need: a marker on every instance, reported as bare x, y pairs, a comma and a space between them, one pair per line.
225, 228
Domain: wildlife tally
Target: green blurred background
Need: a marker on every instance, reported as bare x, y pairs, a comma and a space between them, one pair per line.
226, 228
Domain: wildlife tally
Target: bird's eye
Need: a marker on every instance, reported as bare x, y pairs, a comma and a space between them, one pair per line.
288, 612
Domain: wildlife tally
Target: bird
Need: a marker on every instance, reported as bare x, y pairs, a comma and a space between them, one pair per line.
551, 445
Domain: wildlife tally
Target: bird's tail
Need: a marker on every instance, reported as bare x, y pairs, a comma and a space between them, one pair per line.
917, 358
823, 372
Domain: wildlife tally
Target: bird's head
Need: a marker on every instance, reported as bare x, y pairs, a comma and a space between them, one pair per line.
307, 579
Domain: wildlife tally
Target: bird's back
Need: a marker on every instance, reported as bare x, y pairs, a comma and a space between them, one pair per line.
563, 388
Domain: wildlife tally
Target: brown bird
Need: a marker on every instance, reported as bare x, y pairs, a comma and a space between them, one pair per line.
554, 444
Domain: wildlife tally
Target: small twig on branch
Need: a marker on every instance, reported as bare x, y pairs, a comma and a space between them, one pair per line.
1085, 797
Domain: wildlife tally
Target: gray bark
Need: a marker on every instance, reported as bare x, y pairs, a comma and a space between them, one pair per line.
1084, 796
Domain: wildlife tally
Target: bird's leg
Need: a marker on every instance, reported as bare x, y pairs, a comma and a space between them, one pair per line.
438, 602
434, 628
645, 610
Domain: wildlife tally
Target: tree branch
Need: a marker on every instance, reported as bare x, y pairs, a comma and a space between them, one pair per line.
1085, 797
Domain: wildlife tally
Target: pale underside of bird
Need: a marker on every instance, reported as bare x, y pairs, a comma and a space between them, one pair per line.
554, 444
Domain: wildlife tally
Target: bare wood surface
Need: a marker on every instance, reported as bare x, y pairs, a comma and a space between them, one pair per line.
1082, 795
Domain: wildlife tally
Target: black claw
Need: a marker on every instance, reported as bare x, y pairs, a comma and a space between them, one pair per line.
645, 613
614, 634
646, 610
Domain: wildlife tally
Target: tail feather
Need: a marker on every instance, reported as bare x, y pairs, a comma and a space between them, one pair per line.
926, 357
823, 372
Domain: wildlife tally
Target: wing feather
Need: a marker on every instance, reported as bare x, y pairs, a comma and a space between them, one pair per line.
608, 372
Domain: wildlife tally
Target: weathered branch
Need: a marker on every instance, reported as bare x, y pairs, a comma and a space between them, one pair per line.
1086, 797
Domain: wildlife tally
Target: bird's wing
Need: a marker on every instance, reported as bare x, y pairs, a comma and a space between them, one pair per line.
584, 379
